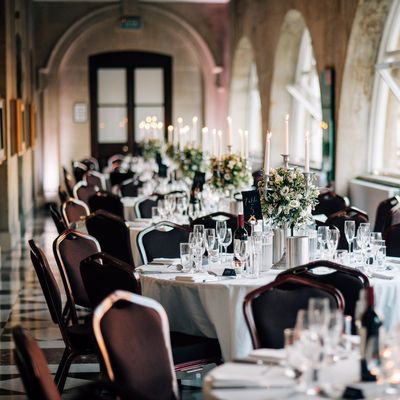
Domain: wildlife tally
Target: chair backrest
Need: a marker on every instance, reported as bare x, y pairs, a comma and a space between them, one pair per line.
348, 281
210, 221
73, 210
68, 182
338, 219
62, 194
79, 170
118, 176
270, 309
143, 207
91, 163
161, 240
103, 274
392, 238
83, 191
112, 233
58, 221
328, 203
138, 354
94, 178
47, 282
129, 188
70, 248
383, 214
103, 200
32, 365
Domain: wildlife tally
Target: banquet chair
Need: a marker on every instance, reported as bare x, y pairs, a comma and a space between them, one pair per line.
392, 238
62, 194
78, 170
210, 220
94, 178
272, 308
143, 207
119, 175
91, 163
129, 188
83, 191
161, 241
57, 219
68, 182
103, 200
74, 210
383, 213
77, 337
103, 274
69, 249
112, 233
348, 281
138, 355
328, 203
348, 214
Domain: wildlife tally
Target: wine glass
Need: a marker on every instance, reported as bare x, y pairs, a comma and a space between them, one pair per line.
333, 241
209, 238
198, 230
323, 237
318, 314
350, 232
181, 205
162, 209
227, 241
241, 251
220, 228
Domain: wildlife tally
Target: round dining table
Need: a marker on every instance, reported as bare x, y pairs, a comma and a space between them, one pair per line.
214, 308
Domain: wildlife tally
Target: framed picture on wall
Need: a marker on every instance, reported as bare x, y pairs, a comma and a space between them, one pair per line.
32, 124
2, 132
17, 126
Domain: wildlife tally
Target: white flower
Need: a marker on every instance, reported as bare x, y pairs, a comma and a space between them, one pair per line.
284, 191
294, 204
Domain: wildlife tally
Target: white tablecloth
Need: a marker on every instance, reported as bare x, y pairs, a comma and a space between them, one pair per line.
214, 309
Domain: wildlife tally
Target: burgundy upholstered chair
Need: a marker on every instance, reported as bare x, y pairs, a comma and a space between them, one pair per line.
112, 233
73, 210
82, 191
94, 178
348, 281
78, 338
103, 200
70, 248
132, 333
272, 308
57, 219
161, 240
383, 218
328, 203
392, 238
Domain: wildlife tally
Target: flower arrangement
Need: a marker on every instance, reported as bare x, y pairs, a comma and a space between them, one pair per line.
289, 201
172, 152
151, 147
230, 173
190, 161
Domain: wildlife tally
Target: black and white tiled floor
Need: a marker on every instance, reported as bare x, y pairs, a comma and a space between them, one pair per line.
22, 303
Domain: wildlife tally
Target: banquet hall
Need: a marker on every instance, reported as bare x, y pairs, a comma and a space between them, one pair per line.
199, 199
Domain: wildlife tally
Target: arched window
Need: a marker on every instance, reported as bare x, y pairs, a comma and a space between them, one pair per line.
384, 154
306, 110
245, 102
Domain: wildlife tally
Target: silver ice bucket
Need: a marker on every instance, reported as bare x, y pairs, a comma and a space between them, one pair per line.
296, 251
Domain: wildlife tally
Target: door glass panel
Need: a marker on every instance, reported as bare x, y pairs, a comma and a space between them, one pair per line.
111, 86
149, 86
113, 125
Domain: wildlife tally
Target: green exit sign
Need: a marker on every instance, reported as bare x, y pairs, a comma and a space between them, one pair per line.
131, 23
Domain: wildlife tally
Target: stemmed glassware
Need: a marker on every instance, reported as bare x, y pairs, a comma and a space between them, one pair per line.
197, 243
227, 241
364, 239
323, 237
221, 229
241, 252
350, 232
333, 241
181, 206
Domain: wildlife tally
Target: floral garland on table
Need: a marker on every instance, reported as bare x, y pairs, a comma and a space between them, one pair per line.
289, 200
190, 161
230, 173
151, 147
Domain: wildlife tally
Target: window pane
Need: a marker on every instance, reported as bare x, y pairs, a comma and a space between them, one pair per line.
149, 86
112, 125
140, 115
111, 84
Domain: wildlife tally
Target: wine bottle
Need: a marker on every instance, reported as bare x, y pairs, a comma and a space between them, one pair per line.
369, 339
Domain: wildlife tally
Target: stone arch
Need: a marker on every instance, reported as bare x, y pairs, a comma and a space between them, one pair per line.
51, 76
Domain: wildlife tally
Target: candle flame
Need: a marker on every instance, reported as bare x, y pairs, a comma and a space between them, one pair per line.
205, 130
307, 135
219, 133
229, 119
180, 120
240, 132
269, 134
246, 133
194, 119
324, 125
170, 128
214, 131
287, 118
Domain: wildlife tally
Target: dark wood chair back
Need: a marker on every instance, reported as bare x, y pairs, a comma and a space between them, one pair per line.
103, 200
74, 210
328, 203
57, 219
392, 238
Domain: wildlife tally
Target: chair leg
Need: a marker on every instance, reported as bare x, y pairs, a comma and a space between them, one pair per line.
63, 368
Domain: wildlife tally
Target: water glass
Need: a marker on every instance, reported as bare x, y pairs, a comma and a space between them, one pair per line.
323, 234
333, 241
220, 229
342, 257
312, 244
241, 251
209, 238
227, 241
380, 257
198, 230
155, 215
186, 256
253, 266
349, 232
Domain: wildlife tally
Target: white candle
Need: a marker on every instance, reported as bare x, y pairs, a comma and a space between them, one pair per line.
246, 144
170, 134
194, 130
229, 119
219, 144
214, 143
286, 135
204, 138
267, 153
241, 143
307, 152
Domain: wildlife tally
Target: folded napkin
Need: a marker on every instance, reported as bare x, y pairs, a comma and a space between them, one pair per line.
160, 268
382, 275
165, 261
269, 355
233, 375
196, 278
